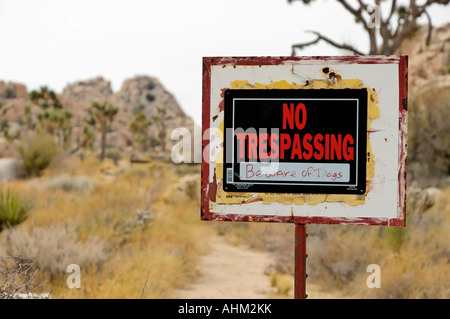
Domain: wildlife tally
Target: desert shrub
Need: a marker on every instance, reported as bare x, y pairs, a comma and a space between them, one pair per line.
187, 169
337, 254
429, 135
37, 153
69, 183
17, 276
55, 248
412, 274
114, 154
189, 186
395, 237
283, 283
13, 209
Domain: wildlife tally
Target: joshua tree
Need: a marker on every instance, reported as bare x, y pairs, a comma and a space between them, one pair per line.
102, 116
399, 24
139, 126
53, 118
45, 98
159, 120
4, 110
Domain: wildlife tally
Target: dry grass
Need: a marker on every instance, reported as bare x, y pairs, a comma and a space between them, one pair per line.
283, 283
421, 267
17, 277
55, 248
161, 250
164, 245
414, 261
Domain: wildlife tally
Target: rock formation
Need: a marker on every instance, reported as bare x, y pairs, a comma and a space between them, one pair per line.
12, 90
138, 94
89, 90
428, 63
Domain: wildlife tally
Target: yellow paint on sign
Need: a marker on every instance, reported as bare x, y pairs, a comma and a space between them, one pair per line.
299, 199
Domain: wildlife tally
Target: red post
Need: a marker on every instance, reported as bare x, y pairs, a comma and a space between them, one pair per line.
300, 262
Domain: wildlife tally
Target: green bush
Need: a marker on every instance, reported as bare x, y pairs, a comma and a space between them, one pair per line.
13, 209
395, 237
37, 153
114, 154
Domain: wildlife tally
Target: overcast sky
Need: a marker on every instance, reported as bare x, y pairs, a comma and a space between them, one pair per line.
55, 42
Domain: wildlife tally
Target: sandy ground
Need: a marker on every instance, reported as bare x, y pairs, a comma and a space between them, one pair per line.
230, 272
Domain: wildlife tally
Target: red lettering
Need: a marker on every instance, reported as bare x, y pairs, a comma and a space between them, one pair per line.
300, 107
241, 141
296, 147
348, 150
268, 175
252, 146
318, 171
288, 115
307, 145
263, 145
318, 154
249, 171
285, 143
273, 142
336, 145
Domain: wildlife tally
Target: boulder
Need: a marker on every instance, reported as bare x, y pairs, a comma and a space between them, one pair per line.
13, 90
8, 169
96, 89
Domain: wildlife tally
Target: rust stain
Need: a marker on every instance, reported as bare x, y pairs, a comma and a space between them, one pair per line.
292, 215
222, 101
212, 190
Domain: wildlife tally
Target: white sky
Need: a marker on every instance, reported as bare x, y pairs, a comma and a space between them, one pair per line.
55, 42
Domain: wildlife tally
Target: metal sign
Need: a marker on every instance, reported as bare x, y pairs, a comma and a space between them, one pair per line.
295, 141
305, 139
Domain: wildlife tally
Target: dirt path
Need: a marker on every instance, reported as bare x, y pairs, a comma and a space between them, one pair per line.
230, 272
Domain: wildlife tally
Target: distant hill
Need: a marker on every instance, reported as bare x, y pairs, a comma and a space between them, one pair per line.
138, 94
428, 64
429, 107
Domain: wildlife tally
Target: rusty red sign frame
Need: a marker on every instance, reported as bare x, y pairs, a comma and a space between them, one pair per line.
208, 180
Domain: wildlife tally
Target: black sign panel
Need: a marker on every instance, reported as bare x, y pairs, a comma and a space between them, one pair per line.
295, 141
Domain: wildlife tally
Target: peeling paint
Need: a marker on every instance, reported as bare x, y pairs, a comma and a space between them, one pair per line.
300, 199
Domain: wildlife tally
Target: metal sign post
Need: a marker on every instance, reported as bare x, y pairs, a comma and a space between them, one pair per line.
300, 262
